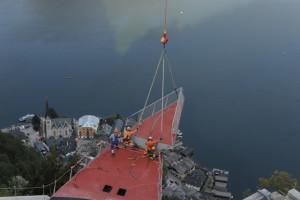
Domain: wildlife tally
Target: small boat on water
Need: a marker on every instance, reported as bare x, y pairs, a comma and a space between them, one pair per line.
22, 119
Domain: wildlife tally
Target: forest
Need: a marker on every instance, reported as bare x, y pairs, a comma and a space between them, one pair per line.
25, 172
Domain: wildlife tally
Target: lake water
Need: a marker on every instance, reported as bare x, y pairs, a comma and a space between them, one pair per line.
237, 60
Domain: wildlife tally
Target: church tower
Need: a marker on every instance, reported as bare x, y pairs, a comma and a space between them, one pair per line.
47, 121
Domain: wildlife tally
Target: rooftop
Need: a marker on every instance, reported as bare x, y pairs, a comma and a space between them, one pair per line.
61, 122
263, 194
196, 178
183, 166
36, 197
293, 194
221, 178
187, 152
220, 184
89, 121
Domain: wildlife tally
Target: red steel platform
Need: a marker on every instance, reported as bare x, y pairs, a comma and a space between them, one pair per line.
128, 175
152, 126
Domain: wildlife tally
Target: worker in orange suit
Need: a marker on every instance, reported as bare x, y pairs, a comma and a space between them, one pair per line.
127, 136
151, 148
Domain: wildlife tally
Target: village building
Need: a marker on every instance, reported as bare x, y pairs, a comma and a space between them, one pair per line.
58, 127
88, 126
195, 180
54, 126
106, 129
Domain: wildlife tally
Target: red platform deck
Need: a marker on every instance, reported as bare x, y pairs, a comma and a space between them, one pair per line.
130, 173
152, 126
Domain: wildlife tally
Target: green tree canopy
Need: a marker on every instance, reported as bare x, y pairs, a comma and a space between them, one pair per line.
279, 181
52, 112
36, 123
247, 193
23, 166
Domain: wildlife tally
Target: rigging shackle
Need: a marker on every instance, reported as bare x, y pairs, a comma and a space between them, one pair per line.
164, 38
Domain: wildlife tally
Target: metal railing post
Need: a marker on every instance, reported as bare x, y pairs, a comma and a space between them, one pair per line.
54, 187
15, 189
167, 98
71, 173
153, 110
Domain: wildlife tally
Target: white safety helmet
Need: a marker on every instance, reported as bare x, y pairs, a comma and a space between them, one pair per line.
150, 138
128, 128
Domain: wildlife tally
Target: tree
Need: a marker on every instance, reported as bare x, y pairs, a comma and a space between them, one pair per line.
247, 193
22, 166
36, 123
53, 114
165, 170
4, 192
18, 182
279, 181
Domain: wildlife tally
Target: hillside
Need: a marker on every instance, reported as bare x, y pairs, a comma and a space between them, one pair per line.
22, 166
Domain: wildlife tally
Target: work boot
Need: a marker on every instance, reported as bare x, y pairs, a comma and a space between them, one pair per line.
112, 155
117, 147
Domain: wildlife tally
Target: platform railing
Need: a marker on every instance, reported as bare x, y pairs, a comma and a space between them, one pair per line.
154, 108
178, 111
160, 175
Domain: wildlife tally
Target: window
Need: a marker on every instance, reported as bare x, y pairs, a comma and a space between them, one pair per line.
121, 192
107, 188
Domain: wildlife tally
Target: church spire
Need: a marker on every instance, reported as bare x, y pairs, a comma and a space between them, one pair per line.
47, 114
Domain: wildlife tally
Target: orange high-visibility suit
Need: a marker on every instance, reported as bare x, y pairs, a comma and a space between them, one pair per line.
150, 144
151, 147
127, 137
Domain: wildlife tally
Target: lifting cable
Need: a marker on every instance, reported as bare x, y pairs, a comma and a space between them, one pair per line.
164, 40
166, 8
163, 58
153, 80
172, 77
